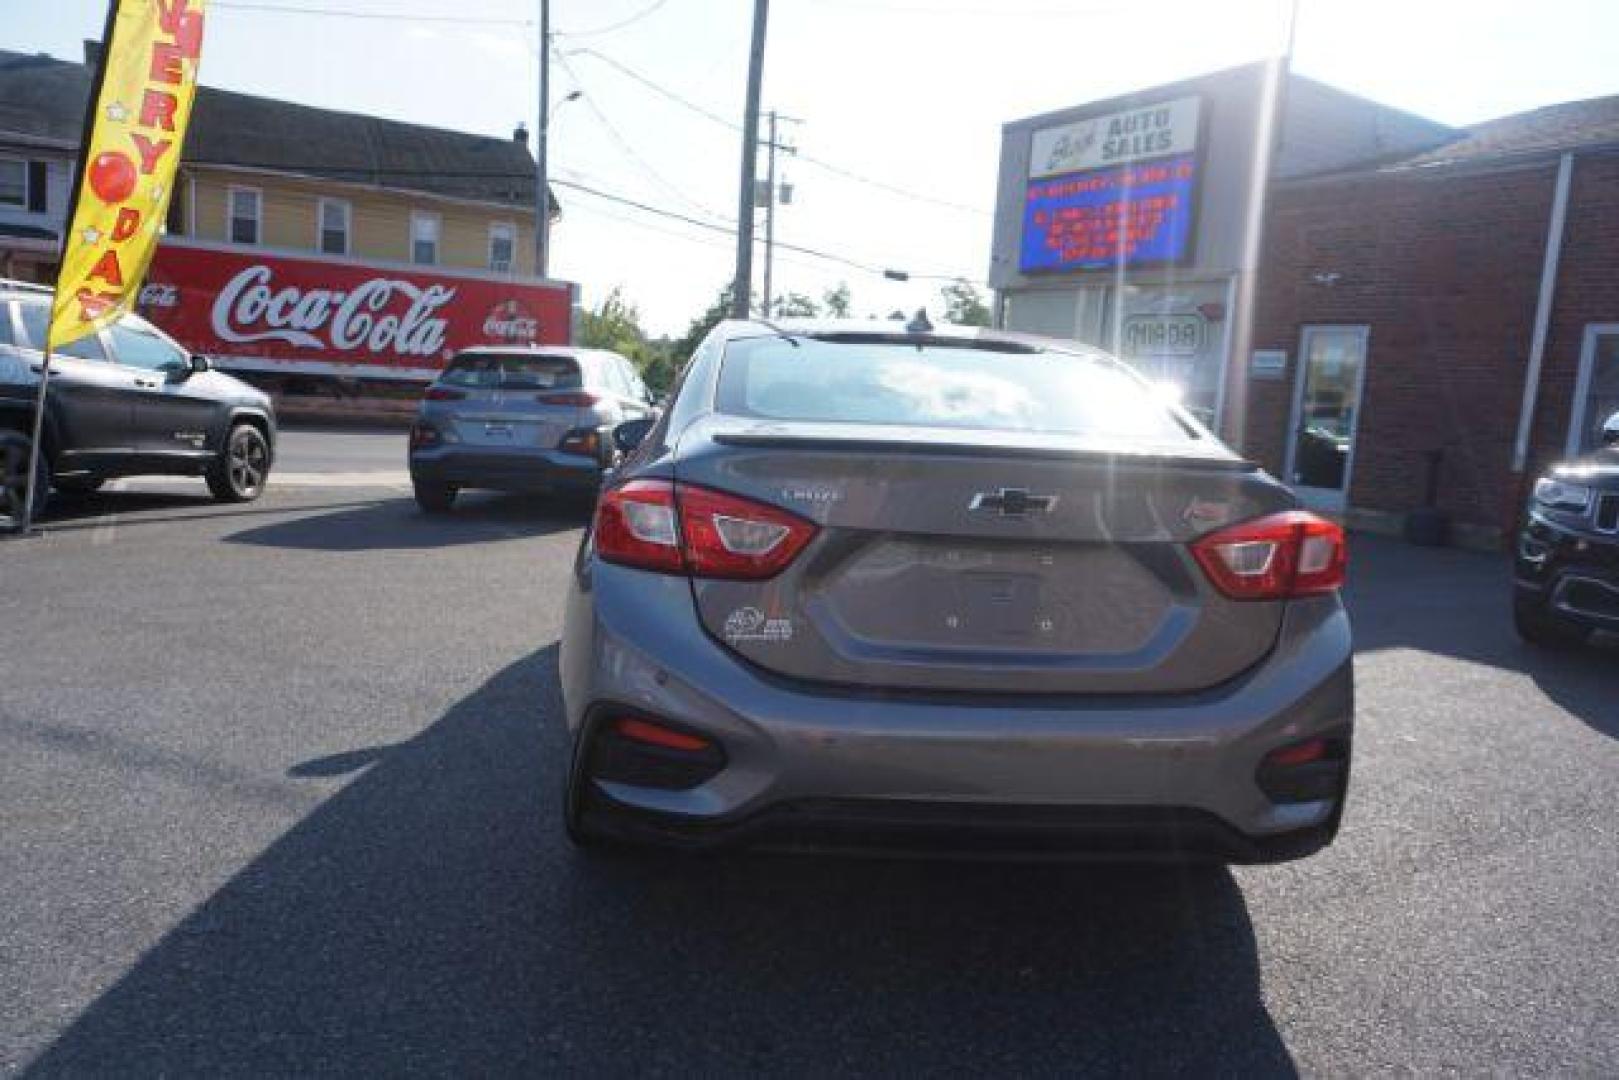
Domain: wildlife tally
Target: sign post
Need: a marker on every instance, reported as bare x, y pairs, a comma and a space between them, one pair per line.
139, 108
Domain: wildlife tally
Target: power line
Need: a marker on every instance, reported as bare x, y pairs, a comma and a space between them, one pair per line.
716, 243
624, 144
352, 13
993, 11
828, 166
848, 174
621, 24
663, 91
730, 230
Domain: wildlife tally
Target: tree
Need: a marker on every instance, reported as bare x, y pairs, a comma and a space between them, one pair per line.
796, 305
838, 304
687, 343
963, 305
614, 325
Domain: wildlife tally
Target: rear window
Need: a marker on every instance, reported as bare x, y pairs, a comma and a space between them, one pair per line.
944, 386
493, 371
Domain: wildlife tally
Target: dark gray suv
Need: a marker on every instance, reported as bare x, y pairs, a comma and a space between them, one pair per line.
525, 419
126, 401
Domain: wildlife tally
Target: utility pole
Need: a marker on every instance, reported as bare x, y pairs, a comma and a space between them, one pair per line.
542, 180
771, 193
742, 286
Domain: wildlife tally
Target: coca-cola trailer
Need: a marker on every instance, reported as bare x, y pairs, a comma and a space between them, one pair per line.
265, 312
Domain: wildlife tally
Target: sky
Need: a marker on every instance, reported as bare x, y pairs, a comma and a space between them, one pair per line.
903, 99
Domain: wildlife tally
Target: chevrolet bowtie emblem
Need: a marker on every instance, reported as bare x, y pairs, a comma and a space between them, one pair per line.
1012, 502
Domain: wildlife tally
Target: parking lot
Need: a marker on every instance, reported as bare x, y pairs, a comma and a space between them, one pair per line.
282, 790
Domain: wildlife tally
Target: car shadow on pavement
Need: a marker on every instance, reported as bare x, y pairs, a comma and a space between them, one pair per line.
1459, 603
398, 524
430, 917
74, 513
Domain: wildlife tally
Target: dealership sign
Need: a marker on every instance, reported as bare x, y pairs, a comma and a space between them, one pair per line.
1120, 138
267, 311
1113, 190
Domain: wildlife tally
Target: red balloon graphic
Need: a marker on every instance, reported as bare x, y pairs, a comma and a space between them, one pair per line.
112, 177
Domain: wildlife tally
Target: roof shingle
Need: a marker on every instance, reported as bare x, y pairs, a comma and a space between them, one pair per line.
1550, 129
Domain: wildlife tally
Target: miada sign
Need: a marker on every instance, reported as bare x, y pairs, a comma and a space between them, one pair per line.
1164, 335
262, 311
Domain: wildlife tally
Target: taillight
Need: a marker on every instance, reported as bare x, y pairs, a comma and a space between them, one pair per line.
578, 399
1282, 556
444, 393
424, 435
731, 537
636, 526
584, 441
678, 528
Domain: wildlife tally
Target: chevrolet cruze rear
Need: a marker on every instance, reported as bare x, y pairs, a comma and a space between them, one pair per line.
927, 591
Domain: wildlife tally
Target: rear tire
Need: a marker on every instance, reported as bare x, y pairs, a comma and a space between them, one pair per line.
242, 468
434, 498
1543, 628
14, 455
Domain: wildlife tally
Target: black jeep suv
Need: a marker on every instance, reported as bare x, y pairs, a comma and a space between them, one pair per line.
1567, 567
127, 401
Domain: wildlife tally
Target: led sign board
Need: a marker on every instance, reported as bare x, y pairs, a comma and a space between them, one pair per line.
1112, 190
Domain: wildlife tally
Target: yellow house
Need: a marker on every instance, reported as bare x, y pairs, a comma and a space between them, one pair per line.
344, 218
273, 174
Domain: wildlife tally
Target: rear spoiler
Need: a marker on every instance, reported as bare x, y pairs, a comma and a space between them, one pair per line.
855, 445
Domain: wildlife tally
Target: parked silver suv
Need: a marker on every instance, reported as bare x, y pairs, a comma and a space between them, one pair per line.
522, 419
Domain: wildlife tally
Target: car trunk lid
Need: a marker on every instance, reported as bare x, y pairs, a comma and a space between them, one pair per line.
988, 561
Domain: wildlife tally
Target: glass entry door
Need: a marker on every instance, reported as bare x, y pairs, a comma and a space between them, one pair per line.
1596, 397
1326, 406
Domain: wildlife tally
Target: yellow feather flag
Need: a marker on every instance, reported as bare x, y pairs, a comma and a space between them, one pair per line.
142, 104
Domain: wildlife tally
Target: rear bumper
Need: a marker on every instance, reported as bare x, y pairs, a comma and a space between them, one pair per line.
1574, 574
976, 831
1007, 776
518, 471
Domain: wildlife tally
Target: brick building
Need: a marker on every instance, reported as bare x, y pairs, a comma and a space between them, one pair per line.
1439, 264
1433, 320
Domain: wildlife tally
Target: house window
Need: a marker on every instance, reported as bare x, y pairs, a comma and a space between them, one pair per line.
13, 182
335, 215
502, 246
246, 209
424, 238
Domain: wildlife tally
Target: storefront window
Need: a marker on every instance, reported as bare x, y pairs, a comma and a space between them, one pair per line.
1175, 334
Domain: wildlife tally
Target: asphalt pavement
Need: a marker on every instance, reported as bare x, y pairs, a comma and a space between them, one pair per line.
281, 796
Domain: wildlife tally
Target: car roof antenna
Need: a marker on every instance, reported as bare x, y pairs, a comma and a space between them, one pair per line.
919, 323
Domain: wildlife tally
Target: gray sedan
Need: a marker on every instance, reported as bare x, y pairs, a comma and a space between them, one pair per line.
925, 589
